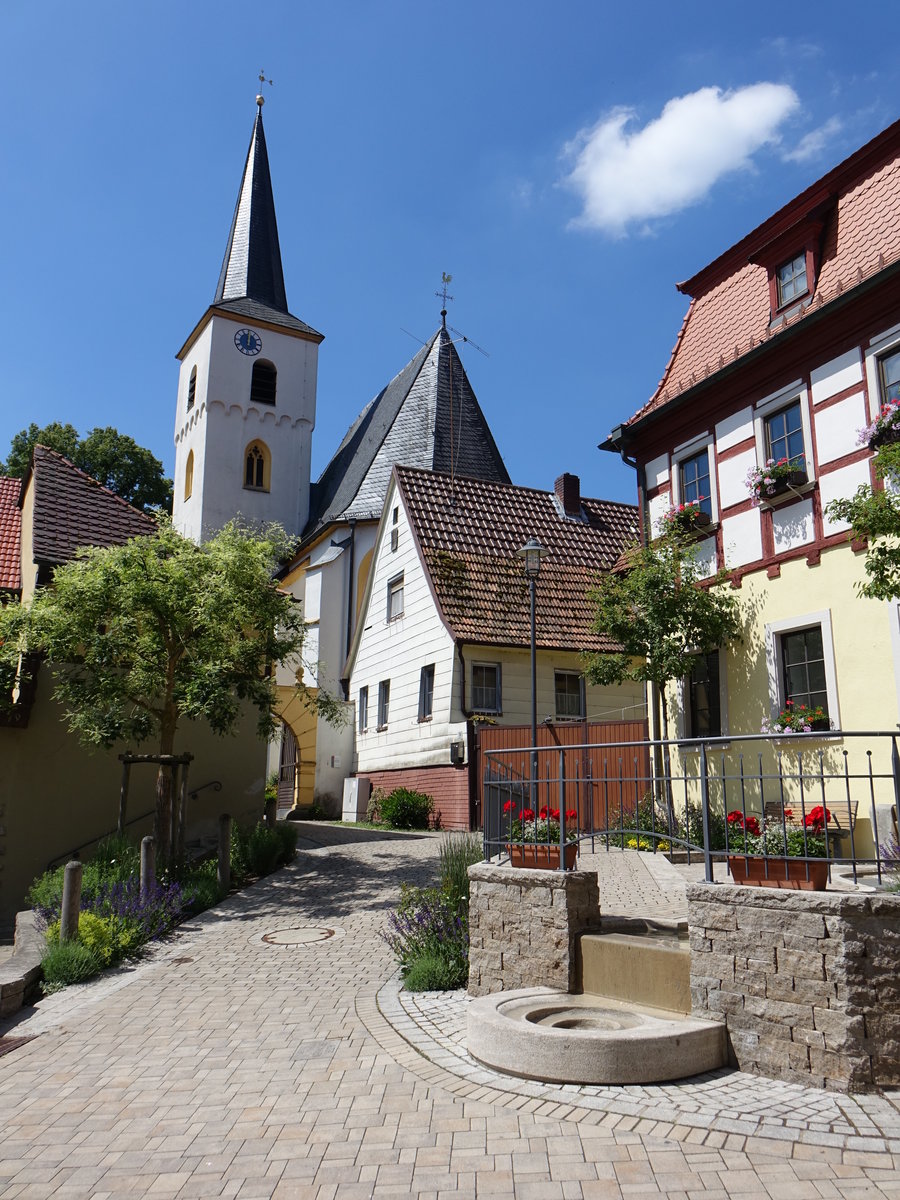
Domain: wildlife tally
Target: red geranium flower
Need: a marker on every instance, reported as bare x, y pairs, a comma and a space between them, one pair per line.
554, 814
509, 806
526, 815
571, 814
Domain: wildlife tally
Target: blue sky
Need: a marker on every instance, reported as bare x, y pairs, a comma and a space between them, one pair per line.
565, 164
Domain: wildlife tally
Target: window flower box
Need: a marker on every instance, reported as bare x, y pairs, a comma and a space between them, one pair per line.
791, 873
884, 430
685, 519
776, 479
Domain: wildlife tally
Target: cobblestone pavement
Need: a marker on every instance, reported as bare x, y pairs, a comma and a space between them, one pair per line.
228, 1065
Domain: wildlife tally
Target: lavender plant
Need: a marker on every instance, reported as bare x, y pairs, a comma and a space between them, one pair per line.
427, 925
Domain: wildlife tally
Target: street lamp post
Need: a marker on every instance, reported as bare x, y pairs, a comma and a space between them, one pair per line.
532, 553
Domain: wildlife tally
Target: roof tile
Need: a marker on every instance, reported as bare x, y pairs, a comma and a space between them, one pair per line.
470, 532
10, 535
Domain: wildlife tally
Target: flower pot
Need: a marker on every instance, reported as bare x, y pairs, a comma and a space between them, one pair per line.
784, 484
885, 436
757, 871
690, 522
823, 725
542, 858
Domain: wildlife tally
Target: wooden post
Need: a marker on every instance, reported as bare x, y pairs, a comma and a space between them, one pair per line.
71, 902
224, 869
182, 812
148, 866
123, 794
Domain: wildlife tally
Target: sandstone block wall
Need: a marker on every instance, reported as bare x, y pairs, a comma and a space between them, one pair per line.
807, 983
523, 926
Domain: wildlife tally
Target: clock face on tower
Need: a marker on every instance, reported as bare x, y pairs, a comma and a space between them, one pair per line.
248, 341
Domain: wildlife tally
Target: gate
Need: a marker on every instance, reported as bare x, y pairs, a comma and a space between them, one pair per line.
596, 753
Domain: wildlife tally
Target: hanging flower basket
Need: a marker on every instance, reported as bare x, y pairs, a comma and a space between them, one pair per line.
884, 429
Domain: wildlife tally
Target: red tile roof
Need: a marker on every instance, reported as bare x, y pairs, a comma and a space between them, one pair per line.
469, 532
729, 314
72, 510
10, 534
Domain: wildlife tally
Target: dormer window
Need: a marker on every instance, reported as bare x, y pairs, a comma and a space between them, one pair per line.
790, 280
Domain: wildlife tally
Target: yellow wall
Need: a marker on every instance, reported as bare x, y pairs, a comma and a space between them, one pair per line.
55, 795
304, 723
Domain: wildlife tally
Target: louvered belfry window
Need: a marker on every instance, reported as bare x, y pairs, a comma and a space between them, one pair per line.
262, 383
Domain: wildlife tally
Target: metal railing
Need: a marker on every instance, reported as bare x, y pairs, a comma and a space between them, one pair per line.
799, 799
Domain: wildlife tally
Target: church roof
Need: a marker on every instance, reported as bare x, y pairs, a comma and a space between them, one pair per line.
469, 533
428, 417
251, 282
71, 510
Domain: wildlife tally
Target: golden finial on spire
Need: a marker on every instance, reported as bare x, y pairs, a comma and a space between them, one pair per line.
260, 99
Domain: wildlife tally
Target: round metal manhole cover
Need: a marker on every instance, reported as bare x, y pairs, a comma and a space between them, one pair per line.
303, 935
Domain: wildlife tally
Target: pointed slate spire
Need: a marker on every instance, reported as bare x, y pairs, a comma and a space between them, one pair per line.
252, 265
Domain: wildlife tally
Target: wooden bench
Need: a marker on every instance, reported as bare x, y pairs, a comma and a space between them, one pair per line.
841, 819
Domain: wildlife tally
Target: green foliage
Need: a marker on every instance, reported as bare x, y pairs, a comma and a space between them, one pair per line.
271, 792
114, 860
876, 515
658, 612
287, 842
112, 458
458, 852
427, 925
68, 962
94, 932
263, 850
405, 809
201, 886
433, 973
239, 867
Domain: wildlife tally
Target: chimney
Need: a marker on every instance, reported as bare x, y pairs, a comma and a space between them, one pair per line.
568, 493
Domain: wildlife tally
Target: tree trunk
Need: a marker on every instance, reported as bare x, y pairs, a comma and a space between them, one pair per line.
162, 825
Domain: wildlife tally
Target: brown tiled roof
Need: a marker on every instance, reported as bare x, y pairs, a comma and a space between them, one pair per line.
72, 510
10, 534
729, 314
469, 532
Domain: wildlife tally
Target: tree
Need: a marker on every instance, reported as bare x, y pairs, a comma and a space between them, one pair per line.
875, 514
141, 636
660, 614
112, 458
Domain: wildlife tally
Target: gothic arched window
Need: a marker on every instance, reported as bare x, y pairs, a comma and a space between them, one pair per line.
257, 467
189, 475
262, 383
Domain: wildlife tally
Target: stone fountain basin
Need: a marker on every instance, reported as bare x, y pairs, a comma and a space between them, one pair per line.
556, 1037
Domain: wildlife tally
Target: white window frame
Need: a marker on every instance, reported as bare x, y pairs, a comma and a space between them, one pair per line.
362, 714
384, 704
774, 632
423, 674
495, 667
395, 584
885, 343
767, 407
691, 449
581, 692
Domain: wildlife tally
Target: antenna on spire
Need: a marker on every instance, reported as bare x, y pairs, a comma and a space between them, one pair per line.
444, 295
260, 99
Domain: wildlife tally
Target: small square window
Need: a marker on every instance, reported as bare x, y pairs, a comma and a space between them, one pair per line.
889, 369
568, 688
363, 709
784, 436
384, 702
486, 687
790, 280
694, 481
395, 598
426, 693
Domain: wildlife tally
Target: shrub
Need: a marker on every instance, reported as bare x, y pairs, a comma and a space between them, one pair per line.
287, 842
404, 809
428, 925
263, 850
239, 866
68, 962
94, 932
201, 886
431, 973
458, 852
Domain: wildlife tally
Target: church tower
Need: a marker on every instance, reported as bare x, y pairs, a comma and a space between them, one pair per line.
247, 383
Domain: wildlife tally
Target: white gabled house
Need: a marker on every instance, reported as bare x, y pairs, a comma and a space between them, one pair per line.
442, 644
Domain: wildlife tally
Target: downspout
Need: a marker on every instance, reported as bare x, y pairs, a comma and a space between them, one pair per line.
345, 683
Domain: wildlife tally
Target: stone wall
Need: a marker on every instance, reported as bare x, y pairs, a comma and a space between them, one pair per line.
807, 983
523, 926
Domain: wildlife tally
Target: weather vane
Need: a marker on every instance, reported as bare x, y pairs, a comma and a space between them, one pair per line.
443, 294
260, 100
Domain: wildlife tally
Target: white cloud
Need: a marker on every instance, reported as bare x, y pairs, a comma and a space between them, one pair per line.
814, 142
625, 177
